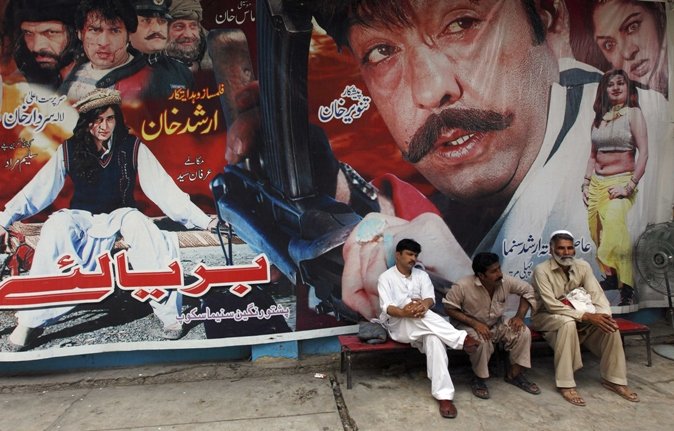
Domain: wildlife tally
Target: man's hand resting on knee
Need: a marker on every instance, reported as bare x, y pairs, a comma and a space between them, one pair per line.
602, 321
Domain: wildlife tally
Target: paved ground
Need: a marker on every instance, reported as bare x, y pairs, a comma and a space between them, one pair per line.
390, 392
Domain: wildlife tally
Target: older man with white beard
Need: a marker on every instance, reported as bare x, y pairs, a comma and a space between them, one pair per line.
567, 327
186, 37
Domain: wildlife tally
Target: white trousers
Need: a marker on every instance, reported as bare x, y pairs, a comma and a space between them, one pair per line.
432, 335
84, 237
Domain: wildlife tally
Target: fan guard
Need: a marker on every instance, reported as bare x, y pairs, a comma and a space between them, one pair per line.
654, 256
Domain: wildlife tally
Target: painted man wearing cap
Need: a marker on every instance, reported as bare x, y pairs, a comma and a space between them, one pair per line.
150, 38
566, 327
151, 34
45, 40
186, 37
103, 161
104, 26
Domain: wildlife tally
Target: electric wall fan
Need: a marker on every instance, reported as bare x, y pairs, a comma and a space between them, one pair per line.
654, 258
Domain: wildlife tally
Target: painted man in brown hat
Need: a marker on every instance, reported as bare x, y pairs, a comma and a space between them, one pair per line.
186, 37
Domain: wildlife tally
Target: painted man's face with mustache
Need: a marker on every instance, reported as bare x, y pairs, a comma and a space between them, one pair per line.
151, 35
463, 90
46, 41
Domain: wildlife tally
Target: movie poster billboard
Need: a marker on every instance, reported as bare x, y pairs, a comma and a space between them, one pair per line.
185, 174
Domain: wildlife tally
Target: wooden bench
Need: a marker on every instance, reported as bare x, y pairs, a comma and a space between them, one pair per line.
351, 344
626, 327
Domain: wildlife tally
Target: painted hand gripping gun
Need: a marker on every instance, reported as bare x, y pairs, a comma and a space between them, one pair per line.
278, 200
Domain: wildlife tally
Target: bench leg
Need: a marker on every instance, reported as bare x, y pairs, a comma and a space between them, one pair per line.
348, 370
341, 362
648, 349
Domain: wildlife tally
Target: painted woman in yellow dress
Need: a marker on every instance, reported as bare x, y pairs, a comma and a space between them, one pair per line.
616, 164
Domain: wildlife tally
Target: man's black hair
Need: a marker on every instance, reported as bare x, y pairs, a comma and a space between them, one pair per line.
337, 16
31, 70
18, 11
108, 10
482, 261
408, 244
85, 156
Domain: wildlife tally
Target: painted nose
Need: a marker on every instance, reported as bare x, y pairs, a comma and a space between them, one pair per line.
103, 39
629, 50
433, 81
41, 43
192, 33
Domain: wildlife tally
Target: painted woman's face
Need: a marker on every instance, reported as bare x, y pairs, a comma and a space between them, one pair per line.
627, 35
617, 90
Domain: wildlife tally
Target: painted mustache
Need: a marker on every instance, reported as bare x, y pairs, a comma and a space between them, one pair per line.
43, 53
156, 36
187, 39
469, 120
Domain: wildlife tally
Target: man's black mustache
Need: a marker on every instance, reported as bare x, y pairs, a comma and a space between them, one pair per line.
153, 35
43, 53
470, 120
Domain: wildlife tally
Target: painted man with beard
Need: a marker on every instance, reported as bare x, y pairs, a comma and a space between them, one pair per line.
567, 327
45, 40
186, 37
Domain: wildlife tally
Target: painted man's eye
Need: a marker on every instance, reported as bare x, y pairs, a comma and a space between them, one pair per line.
379, 53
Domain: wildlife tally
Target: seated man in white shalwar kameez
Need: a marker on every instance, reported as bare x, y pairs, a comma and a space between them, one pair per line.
406, 295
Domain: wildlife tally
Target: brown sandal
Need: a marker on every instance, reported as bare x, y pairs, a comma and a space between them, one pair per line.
621, 390
572, 396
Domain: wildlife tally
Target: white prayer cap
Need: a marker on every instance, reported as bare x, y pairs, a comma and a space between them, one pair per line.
560, 232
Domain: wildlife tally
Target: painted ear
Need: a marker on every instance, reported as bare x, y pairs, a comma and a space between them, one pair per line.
555, 18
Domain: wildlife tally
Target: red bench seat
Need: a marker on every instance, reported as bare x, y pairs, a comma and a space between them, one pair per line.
352, 344
626, 327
